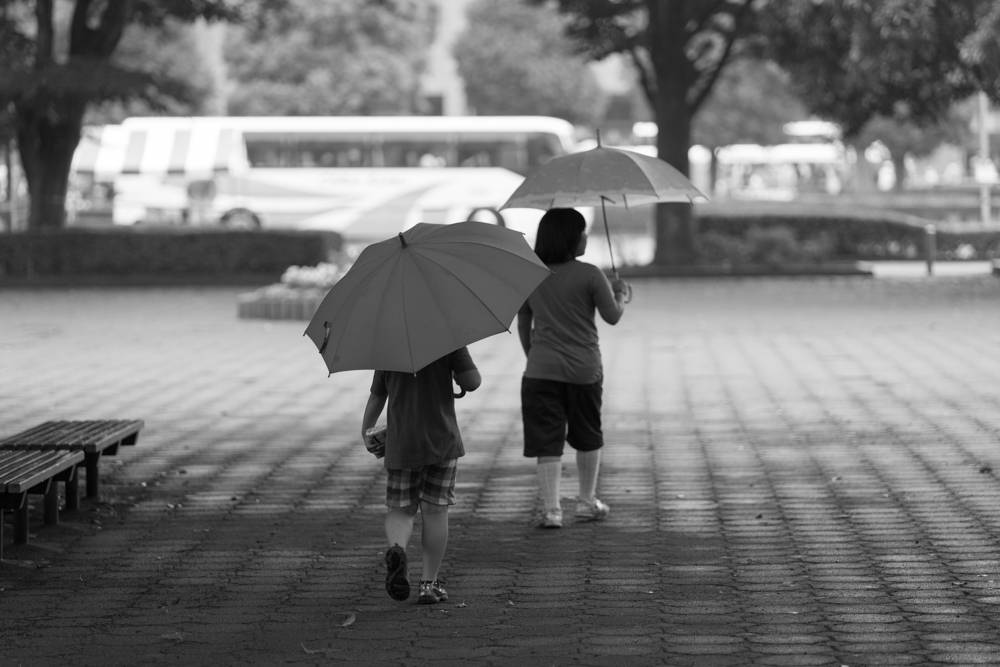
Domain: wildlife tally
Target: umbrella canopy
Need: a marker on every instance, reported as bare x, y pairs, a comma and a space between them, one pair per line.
417, 296
602, 175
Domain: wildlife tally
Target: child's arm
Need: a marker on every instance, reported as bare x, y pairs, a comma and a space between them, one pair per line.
469, 380
372, 412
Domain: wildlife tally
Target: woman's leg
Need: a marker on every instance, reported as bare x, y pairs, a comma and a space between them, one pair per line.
433, 538
586, 435
543, 409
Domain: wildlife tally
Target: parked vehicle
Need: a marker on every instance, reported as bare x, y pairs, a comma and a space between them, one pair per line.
365, 177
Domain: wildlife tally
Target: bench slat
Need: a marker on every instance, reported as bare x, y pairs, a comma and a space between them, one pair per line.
27, 471
89, 435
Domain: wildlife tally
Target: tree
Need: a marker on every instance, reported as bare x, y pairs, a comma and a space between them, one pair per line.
749, 105
170, 52
515, 60
679, 49
352, 57
853, 60
904, 138
850, 60
61, 67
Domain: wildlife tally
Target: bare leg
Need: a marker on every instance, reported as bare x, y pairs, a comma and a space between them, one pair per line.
399, 525
434, 538
549, 474
588, 465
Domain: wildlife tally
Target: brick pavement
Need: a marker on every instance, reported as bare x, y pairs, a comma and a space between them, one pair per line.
801, 472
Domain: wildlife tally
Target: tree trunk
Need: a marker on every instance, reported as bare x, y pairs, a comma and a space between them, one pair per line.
675, 225
46, 143
899, 164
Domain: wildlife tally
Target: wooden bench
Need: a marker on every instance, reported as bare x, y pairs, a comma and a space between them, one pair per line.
94, 438
25, 471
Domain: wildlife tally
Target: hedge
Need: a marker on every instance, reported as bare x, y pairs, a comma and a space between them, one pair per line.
161, 251
837, 234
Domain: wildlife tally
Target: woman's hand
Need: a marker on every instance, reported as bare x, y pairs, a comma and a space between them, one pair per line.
622, 290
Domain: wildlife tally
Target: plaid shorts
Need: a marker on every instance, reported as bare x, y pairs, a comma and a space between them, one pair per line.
434, 484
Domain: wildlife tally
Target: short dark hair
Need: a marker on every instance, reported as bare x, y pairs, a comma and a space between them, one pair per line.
559, 233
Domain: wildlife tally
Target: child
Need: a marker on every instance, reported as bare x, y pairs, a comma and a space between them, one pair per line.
422, 447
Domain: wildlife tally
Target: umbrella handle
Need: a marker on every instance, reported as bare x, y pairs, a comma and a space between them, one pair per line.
460, 395
628, 288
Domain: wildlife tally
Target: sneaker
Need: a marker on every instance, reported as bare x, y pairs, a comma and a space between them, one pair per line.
591, 512
396, 583
432, 592
551, 519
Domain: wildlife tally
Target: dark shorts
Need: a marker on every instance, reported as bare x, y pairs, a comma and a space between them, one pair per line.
434, 484
558, 412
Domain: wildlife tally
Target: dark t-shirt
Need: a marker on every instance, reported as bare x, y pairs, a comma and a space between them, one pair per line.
564, 344
421, 425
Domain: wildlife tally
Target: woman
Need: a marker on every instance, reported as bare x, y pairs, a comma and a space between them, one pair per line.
561, 387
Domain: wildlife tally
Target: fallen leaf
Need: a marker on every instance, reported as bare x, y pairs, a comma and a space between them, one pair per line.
349, 621
460, 606
173, 635
309, 650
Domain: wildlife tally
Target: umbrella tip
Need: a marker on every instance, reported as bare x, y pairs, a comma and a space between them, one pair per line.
598, 137
402, 240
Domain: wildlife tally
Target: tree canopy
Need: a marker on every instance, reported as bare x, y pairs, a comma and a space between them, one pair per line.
170, 52
750, 105
854, 60
515, 60
351, 57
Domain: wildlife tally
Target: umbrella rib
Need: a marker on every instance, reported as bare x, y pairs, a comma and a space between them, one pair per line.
490, 310
406, 324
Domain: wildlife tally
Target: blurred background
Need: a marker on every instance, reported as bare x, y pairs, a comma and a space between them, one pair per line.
818, 131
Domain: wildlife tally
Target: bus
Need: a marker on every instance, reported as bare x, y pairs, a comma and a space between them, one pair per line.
367, 178
780, 172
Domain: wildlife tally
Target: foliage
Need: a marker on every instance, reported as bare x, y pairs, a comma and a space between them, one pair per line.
749, 105
187, 252
853, 60
771, 245
515, 60
981, 49
352, 57
169, 53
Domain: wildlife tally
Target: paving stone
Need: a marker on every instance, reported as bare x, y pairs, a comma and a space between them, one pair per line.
793, 468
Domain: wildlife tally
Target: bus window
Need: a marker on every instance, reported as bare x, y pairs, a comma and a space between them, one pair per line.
306, 151
266, 152
427, 151
317, 150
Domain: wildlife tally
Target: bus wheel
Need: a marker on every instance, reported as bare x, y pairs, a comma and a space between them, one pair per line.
497, 216
241, 219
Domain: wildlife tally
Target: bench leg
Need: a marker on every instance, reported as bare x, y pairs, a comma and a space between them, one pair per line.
21, 521
73, 491
52, 505
90, 462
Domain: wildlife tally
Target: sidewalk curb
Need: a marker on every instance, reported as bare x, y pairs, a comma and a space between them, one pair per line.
849, 268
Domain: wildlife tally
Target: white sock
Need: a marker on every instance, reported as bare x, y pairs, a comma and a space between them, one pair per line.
588, 464
549, 474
